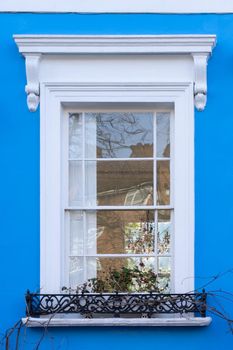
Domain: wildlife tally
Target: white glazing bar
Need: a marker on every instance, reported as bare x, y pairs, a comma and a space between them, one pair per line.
172, 121
156, 239
91, 191
155, 187
154, 159
116, 159
164, 158
65, 269
84, 200
66, 262
83, 157
84, 247
121, 256
121, 207
172, 249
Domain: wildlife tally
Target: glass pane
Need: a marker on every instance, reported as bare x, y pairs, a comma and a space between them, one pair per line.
163, 134
164, 265
163, 182
75, 183
76, 233
121, 232
90, 183
123, 274
164, 283
121, 134
92, 232
125, 182
164, 274
76, 272
75, 136
164, 232
90, 135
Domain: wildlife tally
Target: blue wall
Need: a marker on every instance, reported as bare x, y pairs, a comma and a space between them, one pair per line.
19, 185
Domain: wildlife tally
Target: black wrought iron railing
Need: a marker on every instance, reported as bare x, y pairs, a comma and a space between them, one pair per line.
116, 304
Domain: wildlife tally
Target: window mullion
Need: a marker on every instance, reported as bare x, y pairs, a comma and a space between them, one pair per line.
84, 200
155, 189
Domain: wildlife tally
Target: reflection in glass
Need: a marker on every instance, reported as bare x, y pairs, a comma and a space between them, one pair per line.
164, 283
112, 232
123, 232
163, 134
164, 265
76, 184
164, 232
116, 180
90, 183
124, 274
122, 134
76, 272
76, 233
164, 274
75, 135
163, 182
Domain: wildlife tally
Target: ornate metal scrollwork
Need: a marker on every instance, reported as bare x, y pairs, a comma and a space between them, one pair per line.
116, 304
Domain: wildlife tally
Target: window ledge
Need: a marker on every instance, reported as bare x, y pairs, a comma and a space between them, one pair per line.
111, 322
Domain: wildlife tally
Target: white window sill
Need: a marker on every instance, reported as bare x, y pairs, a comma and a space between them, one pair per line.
133, 322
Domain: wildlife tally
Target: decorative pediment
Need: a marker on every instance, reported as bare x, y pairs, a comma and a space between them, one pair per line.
37, 48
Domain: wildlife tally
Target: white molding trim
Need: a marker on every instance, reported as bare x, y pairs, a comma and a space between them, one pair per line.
118, 6
33, 85
56, 97
36, 47
200, 80
112, 322
115, 44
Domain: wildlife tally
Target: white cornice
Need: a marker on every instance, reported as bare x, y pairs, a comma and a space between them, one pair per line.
115, 44
35, 47
119, 6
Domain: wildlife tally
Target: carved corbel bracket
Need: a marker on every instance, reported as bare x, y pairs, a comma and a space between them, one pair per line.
200, 80
33, 85
34, 46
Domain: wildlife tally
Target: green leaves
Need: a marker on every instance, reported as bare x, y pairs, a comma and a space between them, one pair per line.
123, 279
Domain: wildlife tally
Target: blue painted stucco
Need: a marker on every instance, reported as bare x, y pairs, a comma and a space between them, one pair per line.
19, 180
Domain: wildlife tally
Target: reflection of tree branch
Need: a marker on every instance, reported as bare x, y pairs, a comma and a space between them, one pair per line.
113, 129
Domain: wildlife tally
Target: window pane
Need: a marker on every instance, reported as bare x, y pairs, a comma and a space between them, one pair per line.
75, 136
76, 233
120, 232
76, 272
164, 274
76, 184
123, 274
90, 183
120, 135
163, 182
120, 274
164, 264
163, 134
125, 182
164, 232
164, 283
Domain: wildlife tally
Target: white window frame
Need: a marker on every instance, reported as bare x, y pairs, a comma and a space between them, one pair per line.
69, 71
67, 208
52, 210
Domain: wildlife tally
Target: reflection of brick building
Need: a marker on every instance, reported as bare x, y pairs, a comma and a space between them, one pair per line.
126, 183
